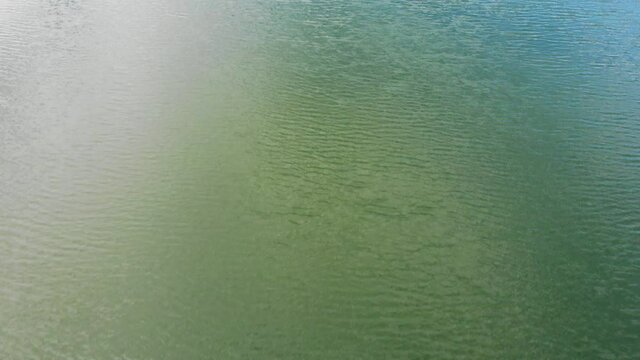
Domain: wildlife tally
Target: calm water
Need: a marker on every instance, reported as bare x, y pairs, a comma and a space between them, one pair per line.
319, 180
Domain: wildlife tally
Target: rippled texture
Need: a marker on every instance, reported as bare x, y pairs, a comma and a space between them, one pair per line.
319, 180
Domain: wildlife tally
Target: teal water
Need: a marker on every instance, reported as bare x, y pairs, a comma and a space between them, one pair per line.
319, 180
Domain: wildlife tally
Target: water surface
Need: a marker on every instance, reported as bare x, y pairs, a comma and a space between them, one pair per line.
319, 180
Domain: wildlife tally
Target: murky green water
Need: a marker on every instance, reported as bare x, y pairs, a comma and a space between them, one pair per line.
319, 180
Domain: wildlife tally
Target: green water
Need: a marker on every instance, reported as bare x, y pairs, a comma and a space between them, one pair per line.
319, 180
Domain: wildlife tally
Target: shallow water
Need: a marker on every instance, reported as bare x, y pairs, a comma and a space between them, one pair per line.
319, 180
